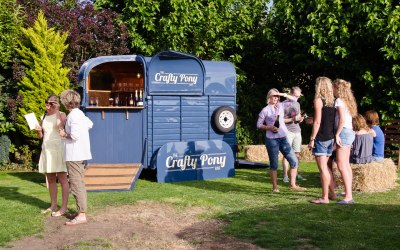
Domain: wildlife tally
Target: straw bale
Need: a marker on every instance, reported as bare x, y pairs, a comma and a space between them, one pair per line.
258, 153
306, 154
371, 177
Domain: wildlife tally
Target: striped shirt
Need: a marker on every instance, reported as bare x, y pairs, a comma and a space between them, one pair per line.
268, 115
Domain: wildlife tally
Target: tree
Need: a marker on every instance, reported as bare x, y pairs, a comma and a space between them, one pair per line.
354, 40
10, 24
42, 52
91, 32
209, 29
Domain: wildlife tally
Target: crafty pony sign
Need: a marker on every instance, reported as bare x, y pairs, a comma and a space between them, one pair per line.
194, 160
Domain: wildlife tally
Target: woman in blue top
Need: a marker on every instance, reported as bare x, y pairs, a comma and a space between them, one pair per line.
378, 148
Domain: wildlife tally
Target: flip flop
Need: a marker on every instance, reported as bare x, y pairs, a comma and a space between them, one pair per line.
319, 201
343, 202
275, 191
58, 213
76, 221
297, 188
45, 211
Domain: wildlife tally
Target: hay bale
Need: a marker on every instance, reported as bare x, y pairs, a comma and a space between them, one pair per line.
258, 153
306, 154
371, 177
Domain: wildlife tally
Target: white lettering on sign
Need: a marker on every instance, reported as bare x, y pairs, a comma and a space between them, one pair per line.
181, 163
215, 161
175, 78
190, 161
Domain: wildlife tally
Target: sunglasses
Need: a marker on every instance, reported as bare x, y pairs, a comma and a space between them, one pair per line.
50, 103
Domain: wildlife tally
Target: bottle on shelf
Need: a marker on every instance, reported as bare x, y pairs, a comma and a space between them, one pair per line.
97, 101
276, 123
131, 100
140, 102
116, 101
136, 97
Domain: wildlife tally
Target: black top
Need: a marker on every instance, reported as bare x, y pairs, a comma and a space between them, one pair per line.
326, 129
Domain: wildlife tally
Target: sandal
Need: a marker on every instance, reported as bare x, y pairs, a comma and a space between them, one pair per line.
319, 201
76, 221
49, 210
297, 188
58, 213
275, 191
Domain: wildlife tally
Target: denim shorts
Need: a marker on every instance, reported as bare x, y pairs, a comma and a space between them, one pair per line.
280, 144
323, 148
347, 136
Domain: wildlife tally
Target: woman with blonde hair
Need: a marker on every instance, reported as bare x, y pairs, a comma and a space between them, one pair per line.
271, 120
346, 110
77, 151
322, 136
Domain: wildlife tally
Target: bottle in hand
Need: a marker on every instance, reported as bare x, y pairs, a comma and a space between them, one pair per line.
276, 124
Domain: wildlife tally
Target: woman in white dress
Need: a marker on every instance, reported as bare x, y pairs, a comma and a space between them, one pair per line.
52, 157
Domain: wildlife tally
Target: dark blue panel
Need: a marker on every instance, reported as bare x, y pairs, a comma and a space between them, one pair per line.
171, 72
194, 160
158, 126
220, 78
116, 139
195, 130
195, 119
191, 137
172, 133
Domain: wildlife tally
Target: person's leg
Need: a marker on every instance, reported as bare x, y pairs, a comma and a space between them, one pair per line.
273, 151
274, 179
285, 164
342, 160
285, 167
296, 145
331, 165
51, 179
78, 190
63, 179
289, 154
324, 175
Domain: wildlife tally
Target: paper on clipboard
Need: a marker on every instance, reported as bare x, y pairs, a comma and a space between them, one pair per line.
32, 121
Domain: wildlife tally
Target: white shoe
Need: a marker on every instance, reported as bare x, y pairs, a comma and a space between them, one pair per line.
286, 179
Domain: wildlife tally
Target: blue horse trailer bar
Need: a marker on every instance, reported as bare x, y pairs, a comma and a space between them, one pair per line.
171, 112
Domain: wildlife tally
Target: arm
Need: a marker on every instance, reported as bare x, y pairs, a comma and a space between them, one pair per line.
289, 97
39, 131
317, 121
372, 132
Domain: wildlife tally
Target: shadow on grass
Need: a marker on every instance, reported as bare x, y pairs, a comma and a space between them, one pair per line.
250, 181
12, 193
34, 177
308, 226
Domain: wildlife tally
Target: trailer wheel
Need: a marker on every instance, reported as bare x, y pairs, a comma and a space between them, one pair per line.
224, 119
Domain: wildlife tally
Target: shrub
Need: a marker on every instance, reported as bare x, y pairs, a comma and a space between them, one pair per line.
5, 144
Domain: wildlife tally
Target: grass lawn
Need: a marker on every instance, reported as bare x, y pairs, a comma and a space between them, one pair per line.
274, 221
